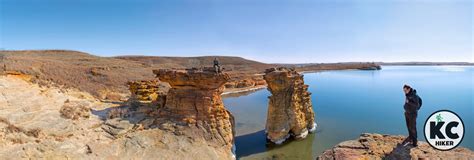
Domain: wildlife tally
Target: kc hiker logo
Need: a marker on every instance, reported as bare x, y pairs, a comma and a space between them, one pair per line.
444, 130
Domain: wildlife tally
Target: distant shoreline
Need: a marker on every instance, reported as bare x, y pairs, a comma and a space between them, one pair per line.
243, 90
426, 63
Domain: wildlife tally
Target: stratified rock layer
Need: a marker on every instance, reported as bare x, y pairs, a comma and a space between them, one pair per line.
195, 99
147, 90
377, 146
290, 110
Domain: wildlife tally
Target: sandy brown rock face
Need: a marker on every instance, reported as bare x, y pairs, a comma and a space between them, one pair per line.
377, 146
144, 90
37, 122
195, 99
75, 110
290, 110
33, 127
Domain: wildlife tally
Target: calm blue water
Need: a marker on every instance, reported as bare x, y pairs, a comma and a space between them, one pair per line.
350, 102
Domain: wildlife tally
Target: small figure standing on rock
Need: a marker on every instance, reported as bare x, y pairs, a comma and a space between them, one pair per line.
217, 67
412, 104
2, 59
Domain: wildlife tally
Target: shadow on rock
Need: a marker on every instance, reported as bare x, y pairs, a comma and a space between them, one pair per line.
126, 117
399, 152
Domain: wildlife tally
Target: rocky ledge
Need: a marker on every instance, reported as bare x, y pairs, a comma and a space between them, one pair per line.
151, 90
195, 100
290, 110
377, 146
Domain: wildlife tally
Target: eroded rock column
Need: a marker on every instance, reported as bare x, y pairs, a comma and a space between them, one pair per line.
195, 99
290, 110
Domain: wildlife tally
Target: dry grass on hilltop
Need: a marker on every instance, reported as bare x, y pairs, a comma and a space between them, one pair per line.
102, 76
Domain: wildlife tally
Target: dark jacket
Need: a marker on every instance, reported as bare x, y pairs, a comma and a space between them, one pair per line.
413, 102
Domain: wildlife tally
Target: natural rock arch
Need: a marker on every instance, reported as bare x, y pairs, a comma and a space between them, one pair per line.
195, 99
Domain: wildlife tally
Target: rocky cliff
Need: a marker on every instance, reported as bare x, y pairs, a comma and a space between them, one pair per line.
146, 90
290, 110
377, 146
195, 100
152, 92
38, 122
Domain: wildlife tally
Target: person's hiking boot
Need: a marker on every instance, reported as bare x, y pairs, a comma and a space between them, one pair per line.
406, 142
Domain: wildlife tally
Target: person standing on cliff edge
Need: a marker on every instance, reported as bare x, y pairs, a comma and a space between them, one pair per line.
412, 104
217, 67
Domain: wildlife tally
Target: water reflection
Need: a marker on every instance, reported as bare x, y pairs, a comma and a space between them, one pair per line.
255, 144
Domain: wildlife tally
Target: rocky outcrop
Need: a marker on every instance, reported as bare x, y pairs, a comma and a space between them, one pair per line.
377, 146
195, 100
145, 90
33, 127
290, 110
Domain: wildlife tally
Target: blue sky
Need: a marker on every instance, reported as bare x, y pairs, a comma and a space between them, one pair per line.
274, 31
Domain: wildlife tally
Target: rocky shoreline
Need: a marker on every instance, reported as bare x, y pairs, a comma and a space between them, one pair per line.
378, 146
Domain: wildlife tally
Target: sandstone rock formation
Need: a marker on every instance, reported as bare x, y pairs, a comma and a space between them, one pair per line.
377, 146
290, 110
144, 90
195, 100
32, 127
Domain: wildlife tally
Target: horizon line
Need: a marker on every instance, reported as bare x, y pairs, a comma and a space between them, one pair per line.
178, 56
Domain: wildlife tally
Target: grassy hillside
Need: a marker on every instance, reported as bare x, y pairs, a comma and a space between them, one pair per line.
233, 65
101, 76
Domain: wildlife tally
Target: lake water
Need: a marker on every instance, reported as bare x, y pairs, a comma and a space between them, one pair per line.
350, 102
